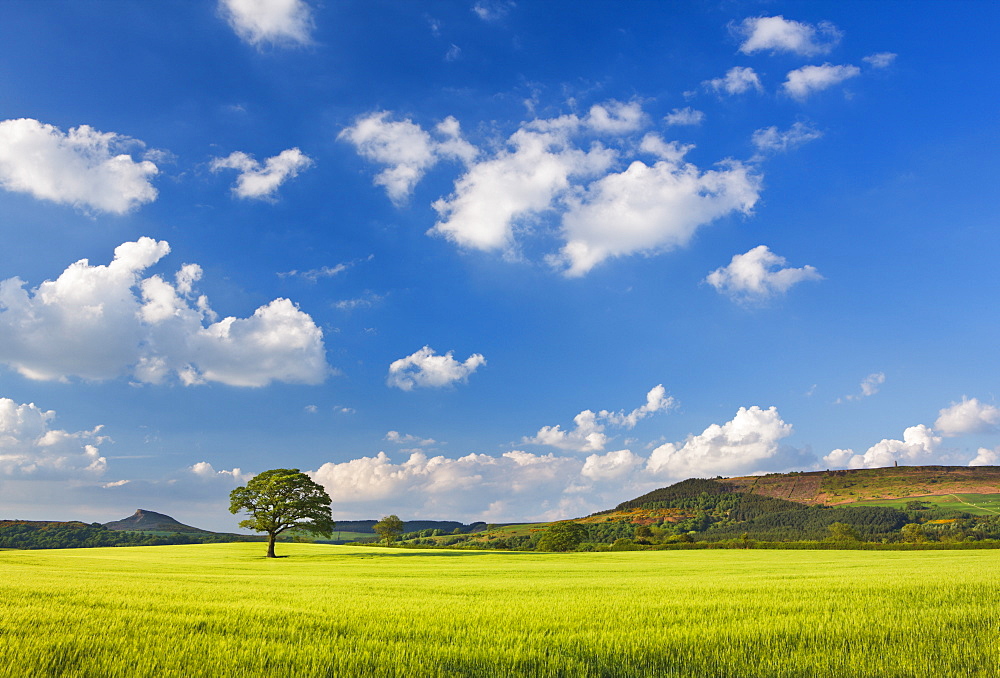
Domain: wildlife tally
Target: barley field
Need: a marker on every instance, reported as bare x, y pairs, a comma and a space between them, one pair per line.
223, 610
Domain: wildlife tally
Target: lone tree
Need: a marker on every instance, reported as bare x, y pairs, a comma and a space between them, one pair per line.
564, 535
389, 528
282, 499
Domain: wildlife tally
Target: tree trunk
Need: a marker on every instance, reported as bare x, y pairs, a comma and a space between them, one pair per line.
270, 545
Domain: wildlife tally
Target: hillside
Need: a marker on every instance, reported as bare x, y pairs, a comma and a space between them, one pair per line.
833, 488
151, 521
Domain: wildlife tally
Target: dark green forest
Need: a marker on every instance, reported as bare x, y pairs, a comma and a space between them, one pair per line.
23, 534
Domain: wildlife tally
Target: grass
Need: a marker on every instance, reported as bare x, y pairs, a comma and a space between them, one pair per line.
223, 610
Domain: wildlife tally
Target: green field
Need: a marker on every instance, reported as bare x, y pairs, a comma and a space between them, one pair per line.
223, 610
976, 504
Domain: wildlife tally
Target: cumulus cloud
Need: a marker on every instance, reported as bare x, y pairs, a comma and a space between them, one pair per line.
880, 60
771, 140
586, 436
777, 34
30, 448
475, 487
518, 183
83, 167
406, 148
802, 82
742, 445
106, 321
426, 369
869, 387
261, 181
563, 169
968, 416
738, 79
757, 276
684, 116
650, 209
279, 22
918, 445
615, 117
611, 466
588, 432
986, 457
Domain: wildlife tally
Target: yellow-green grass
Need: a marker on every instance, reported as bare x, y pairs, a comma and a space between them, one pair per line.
223, 610
977, 504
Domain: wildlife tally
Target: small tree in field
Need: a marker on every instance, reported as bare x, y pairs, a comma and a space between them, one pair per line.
389, 528
564, 535
283, 499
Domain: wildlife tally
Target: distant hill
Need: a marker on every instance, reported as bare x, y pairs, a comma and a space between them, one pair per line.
779, 491
960, 502
151, 521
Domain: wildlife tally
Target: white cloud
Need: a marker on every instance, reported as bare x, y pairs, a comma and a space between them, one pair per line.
30, 448
615, 117
473, 487
106, 321
684, 116
880, 60
562, 169
869, 387
671, 151
280, 22
650, 209
741, 445
83, 167
587, 436
588, 433
518, 183
986, 457
425, 369
757, 276
204, 471
406, 148
657, 400
408, 439
737, 80
802, 82
611, 466
871, 383
777, 34
918, 444
771, 140
261, 181
968, 416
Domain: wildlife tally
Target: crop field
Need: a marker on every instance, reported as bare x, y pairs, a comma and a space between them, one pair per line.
223, 610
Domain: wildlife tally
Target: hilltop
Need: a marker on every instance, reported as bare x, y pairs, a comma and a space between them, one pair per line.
832, 488
144, 520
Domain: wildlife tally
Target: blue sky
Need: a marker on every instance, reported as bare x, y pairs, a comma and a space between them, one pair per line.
489, 260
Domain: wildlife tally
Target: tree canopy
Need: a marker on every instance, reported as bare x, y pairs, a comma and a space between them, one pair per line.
283, 499
564, 535
389, 528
